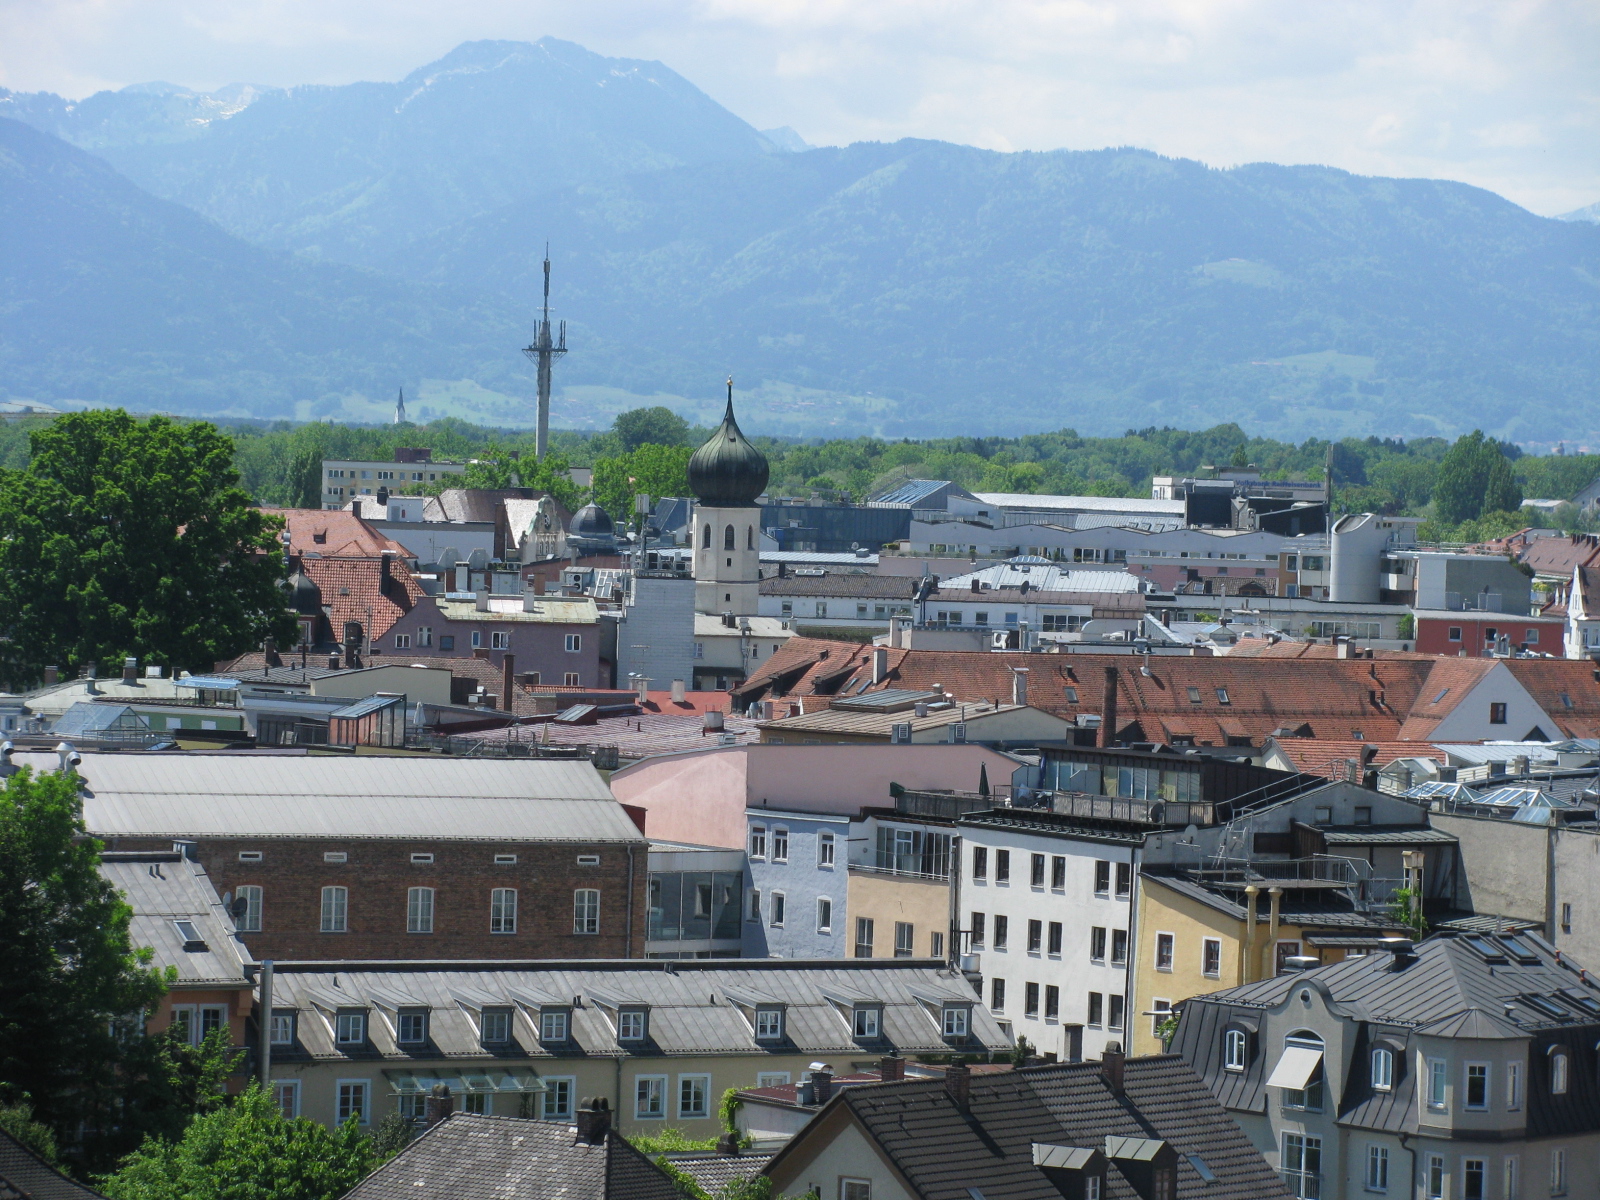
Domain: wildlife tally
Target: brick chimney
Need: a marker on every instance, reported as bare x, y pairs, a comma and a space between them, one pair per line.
439, 1105
130, 671
594, 1120
1111, 1064
958, 1083
821, 1085
508, 683
52, 675
1108, 709
891, 1068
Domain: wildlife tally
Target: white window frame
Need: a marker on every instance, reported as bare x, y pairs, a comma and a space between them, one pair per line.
780, 844
773, 1078
866, 1021
1558, 1171
1206, 956
419, 910
282, 1033
1484, 1070
499, 639
477, 639
1513, 1087
777, 909
1560, 1072
574, 643
402, 641
498, 1016
1235, 1040
400, 1021
560, 1089
1434, 1178
1382, 1069
854, 1189
631, 1024
754, 912
1377, 1174
286, 1097
572, 679
362, 1113
702, 1111
825, 851
758, 842
424, 635
769, 1025
586, 912
1438, 1084
250, 920
956, 1020
824, 914
1510, 1184
651, 1088
555, 1025
503, 910
335, 909
340, 1027
1169, 943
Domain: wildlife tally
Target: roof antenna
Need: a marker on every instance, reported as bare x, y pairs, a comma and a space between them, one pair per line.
544, 351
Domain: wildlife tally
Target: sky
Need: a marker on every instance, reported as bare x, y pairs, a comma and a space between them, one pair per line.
1502, 94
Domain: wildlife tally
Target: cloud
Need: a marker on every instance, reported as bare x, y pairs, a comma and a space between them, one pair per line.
1501, 93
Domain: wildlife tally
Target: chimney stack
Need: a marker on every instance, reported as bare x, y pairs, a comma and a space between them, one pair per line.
352, 644
508, 680
714, 722
594, 1120
439, 1105
894, 632
1341, 646
333, 662
679, 692
130, 671
821, 1084
1111, 1064
1019, 685
52, 675
958, 1083
1108, 710
891, 1068
880, 661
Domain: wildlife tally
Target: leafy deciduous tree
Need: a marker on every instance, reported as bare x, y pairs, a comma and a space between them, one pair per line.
656, 426
1474, 478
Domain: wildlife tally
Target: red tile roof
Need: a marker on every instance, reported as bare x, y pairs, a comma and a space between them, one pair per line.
334, 534
1254, 647
1558, 555
1566, 688
360, 589
1320, 756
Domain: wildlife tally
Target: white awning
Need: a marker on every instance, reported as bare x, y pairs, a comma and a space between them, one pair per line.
1296, 1068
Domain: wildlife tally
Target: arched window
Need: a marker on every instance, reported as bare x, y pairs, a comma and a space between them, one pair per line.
1382, 1068
1558, 1071
749, 537
705, 538
1235, 1049
727, 538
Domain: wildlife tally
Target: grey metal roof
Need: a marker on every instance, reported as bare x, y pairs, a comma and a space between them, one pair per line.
911, 492
365, 796
1379, 835
703, 1007
163, 888
363, 708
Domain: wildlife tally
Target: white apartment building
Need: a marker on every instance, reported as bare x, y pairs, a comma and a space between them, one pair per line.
344, 478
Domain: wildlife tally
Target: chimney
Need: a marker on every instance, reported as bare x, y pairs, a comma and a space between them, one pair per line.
480, 652
439, 1105
976, 586
821, 1084
508, 680
352, 643
713, 722
52, 675
891, 1068
383, 567
679, 692
333, 662
92, 671
480, 599
594, 1120
1404, 951
729, 1145
958, 1083
382, 497
130, 671
880, 663
1111, 1064
1341, 647
894, 632
1108, 710
1019, 685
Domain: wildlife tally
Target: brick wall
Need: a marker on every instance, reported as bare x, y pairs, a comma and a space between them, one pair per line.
378, 876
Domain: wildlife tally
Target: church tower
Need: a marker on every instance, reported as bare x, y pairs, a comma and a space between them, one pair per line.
726, 475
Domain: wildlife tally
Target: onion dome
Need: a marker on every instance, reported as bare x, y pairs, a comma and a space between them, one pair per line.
305, 597
728, 472
592, 521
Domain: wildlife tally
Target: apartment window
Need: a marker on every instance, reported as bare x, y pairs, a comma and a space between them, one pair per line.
1513, 1086
249, 856
353, 1097
1477, 1086
694, 1096
1160, 1010
780, 845
935, 944
755, 905
855, 1189
282, 1028
503, 910
1035, 936
1163, 952
494, 1026
447, 641
777, 910
1036, 871
769, 1024
248, 898
1053, 946
553, 1024
630, 1025
867, 1020
1511, 1181
586, 910
1363, 814
335, 909
1558, 1073
1052, 1002
571, 679
1124, 880
1002, 931
1433, 1177
997, 995
1377, 1168
1222, 696
424, 635
1497, 713
1302, 1165
350, 1028
505, 859
1058, 872
1558, 1172
419, 910
421, 859
1566, 918
557, 1104
286, 1098
1436, 1084
1235, 1048
977, 929
1114, 1005
411, 1028
758, 841
980, 862
863, 937
1097, 944
499, 639
1030, 999
955, 1020
1211, 958
1474, 1172
1382, 1068
1102, 877
824, 915
904, 939
1119, 947
1454, 634
574, 642
1097, 1009
1002, 866
402, 641
650, 1097
825, 850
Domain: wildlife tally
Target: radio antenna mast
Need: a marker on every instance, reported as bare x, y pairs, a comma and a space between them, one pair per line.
544, 351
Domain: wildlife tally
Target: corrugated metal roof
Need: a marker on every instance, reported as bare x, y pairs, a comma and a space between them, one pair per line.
367, 796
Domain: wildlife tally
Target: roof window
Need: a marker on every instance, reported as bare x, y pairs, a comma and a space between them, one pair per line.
192, 940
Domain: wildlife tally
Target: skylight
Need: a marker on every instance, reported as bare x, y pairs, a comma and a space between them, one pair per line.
1547, 1006
1441, 695
1519, 950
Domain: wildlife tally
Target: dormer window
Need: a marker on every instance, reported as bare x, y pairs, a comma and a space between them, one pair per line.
350, 1027
554, 1024
1235, 1050
494, 1026
957, 1020
1559, 1060
411, 1027
866, 1021
769, 1024
632, 1024
1382, 1068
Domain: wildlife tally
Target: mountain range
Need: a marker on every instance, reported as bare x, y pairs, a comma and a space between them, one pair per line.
300, 252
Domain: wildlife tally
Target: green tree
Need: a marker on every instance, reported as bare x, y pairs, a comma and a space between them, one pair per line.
656, 426
498, 468
1474, 478
655, 471
17, 1120
127, 537
72, 991
246, 1151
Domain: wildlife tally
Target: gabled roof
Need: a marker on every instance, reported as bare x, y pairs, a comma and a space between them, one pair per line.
946, 1153
334, 533
467, 1157
1567, 689
373, 591
26, 1176
1557, 556
1327, 756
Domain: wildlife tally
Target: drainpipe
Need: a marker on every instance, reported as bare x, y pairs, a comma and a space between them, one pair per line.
265, 1026
1274, 896
953, 946
1247, 960
628, 949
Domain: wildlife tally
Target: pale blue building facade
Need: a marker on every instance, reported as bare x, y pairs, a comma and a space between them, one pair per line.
796, 884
